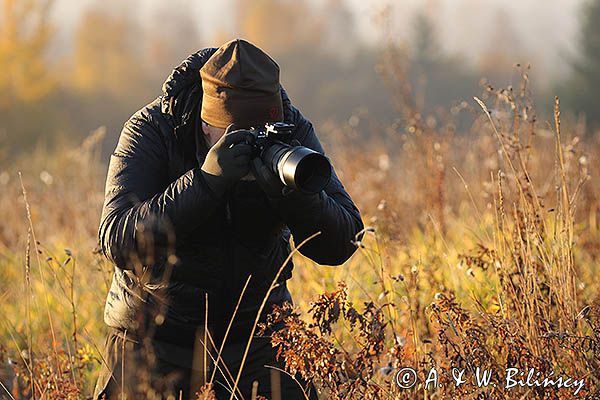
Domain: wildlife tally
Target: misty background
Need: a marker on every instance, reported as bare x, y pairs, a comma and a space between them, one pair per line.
74, 66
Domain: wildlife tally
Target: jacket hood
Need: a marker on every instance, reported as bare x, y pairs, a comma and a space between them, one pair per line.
182, 90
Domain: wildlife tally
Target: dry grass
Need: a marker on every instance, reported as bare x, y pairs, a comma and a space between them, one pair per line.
482, 251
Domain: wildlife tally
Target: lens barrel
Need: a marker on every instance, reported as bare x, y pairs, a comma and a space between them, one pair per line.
298, 167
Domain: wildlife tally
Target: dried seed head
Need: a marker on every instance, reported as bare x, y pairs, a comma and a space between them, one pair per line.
46, 178
386, 370
400, 340
584, 312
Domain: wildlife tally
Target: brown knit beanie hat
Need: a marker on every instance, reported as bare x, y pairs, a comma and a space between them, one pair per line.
241, 86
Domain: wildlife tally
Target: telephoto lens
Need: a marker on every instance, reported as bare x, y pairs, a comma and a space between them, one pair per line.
298, 167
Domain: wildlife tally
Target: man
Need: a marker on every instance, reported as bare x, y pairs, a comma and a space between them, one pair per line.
189, 215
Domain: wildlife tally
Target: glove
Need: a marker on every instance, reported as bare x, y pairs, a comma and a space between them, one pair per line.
268, 181
228, 160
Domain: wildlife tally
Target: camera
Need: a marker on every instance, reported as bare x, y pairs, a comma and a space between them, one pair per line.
298, 167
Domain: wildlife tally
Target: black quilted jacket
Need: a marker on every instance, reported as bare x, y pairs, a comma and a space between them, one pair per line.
172, 242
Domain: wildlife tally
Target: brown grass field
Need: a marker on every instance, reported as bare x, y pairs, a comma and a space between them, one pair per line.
482, 251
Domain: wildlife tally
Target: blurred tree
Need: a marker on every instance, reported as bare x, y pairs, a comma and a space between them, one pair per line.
580, 90
425, 44
503, 51
277, 25
106, 57
339, 30
437, 79
24, 36
110, 72
177, 38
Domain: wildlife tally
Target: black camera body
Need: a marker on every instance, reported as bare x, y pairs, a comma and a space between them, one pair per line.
270, 133
298, 167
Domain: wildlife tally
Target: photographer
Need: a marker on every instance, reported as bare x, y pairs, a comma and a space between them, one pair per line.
190, 213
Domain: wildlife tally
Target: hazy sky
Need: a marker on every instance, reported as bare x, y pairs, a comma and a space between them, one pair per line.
544, 30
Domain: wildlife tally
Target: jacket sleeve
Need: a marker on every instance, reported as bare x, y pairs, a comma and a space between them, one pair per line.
331, 211
143, 212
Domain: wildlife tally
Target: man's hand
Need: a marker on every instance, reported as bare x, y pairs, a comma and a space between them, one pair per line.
228, 160
268, 181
